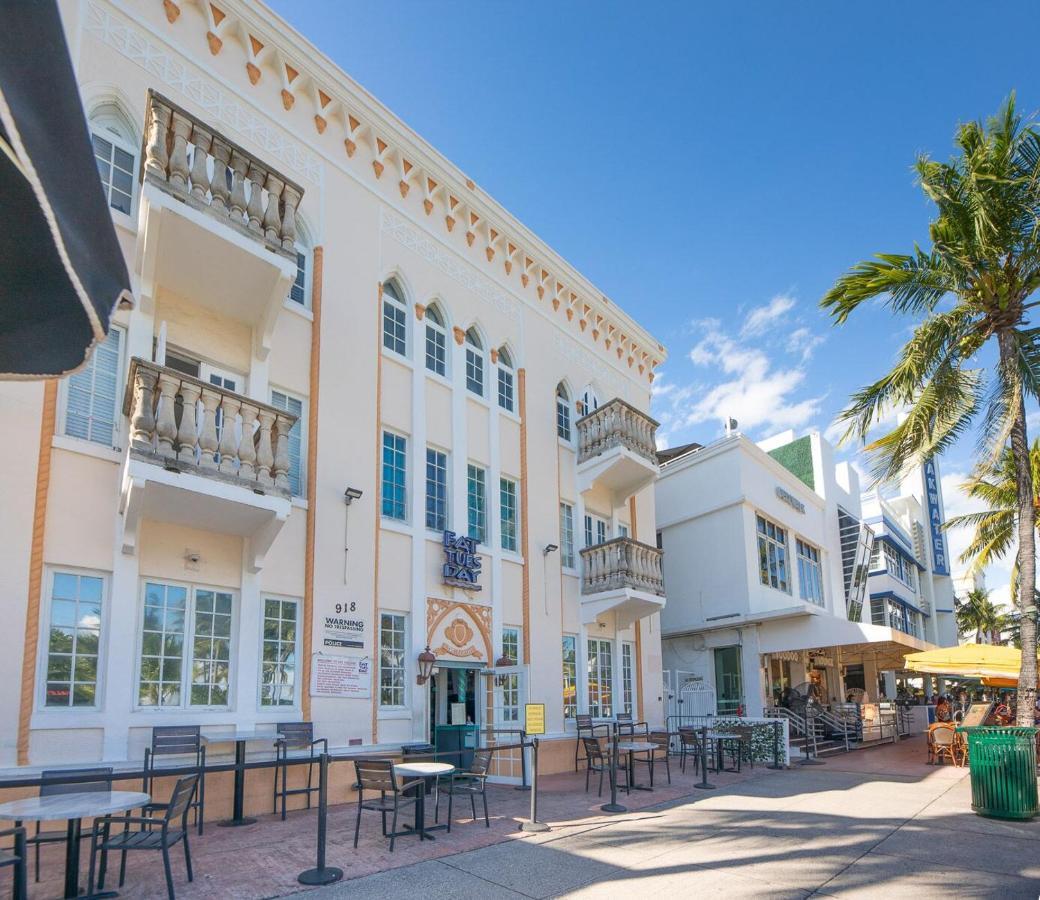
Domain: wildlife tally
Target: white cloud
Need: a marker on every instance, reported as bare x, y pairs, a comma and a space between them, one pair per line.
888, 419
803, 342
762, 317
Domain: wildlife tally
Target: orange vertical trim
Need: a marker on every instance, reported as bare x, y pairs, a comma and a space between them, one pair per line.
32, 607
521, 376
633, 525
378, 489
312, 477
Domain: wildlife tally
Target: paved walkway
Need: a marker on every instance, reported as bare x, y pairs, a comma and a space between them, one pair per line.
845, 829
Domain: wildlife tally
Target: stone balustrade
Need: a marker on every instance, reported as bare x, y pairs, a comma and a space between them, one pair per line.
616, 424
190, 160
622, 563
183, 423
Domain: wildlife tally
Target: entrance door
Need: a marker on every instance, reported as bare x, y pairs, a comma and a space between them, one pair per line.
503, 694
229, 381
454, 713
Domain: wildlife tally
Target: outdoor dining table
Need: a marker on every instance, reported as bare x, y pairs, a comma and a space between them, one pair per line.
240, 739
631, 748
423, 770
74, 808
720, 737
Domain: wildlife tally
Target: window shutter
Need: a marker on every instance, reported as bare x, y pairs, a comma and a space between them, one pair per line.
91, 404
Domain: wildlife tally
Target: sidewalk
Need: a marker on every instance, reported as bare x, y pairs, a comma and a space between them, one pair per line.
847, 828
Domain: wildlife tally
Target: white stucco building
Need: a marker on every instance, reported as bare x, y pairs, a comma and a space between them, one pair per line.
326, 305
766, 557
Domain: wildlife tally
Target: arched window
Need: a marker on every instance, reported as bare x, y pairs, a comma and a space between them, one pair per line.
395, 320
505, 380
589, 402
436, 341
115, 150
563, 412
300, 291
474, 363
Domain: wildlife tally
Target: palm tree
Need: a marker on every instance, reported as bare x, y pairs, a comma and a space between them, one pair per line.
973, 287
976, 612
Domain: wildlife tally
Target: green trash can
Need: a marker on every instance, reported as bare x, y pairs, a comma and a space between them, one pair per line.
1002, 762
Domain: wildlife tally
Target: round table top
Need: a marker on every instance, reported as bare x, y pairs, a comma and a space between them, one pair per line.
636, 746
424, 769
242, 737
73, 806
722, 735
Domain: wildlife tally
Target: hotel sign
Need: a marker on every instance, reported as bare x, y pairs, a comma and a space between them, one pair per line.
461, 561
940, 564
790, 499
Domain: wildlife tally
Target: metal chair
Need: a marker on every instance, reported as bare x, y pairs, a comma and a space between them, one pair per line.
627, 726
296, 736
598, 761
586, 728
746, 736
379, 775
690, 744
473, 781
155, 833
16, 857
104, 783
174, 740
660, 752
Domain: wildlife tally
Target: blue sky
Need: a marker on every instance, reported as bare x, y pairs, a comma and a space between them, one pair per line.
711, 167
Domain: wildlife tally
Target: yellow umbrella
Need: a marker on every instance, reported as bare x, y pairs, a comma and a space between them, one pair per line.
968, 661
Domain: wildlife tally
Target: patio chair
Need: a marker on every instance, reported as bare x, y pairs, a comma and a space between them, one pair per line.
15, 857
59, 836
175, 740
944, 743
296, 736
586, 728
626, 726
660, 739
690, 745
745, 751
472, 781
379, 775
596, 760
154, 833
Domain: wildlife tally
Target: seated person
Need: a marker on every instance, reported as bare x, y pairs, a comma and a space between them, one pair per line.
942, 710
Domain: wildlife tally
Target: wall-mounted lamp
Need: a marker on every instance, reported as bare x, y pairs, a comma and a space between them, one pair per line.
351, 494
549, 548
426, 663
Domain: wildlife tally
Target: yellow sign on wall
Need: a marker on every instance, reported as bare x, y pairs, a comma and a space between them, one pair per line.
534, 718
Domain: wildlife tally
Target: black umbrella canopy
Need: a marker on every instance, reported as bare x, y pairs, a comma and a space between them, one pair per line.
62, 273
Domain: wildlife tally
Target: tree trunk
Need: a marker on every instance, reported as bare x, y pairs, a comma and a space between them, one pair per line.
1026, 537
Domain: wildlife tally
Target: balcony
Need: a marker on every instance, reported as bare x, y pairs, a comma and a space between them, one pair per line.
617, 450
204, 457
621, 576
218, 225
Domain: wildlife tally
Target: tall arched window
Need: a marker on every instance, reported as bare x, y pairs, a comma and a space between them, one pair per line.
115, 151
395, 320
589, 402
505, 380
563, 412
300, 291
474, 363
436, 340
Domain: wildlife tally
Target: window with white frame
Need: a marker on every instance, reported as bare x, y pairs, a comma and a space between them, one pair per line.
186, 647
474, 363
395, 472
436, 489
293, 405
563, 412
810, 575
92, 394
511, 644
511, 683
436, 341
476, 503
570, 676
115, 152
505, 380
391, 660
601, 678
279, 652
897, 564
596, 528
507, 506
622, 530
589, 402
772, 555
73, 639
567, 536
628, 690
395, 320
299, 290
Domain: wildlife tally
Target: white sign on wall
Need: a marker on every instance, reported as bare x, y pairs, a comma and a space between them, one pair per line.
342, 627
341, 676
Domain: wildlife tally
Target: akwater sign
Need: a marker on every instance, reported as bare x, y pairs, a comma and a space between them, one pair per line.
461, 561
940, 564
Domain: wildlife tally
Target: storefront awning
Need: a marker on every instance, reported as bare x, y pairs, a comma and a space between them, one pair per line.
969, 661
858, 641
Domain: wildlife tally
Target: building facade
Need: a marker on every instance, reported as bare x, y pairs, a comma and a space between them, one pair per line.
358, 411
766, 557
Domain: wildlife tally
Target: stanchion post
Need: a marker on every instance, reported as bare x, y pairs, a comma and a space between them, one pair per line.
322, 874
523, 786
777, 730
703, 783
613, 806
533, 824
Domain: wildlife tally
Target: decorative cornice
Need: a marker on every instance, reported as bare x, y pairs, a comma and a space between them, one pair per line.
341, 108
